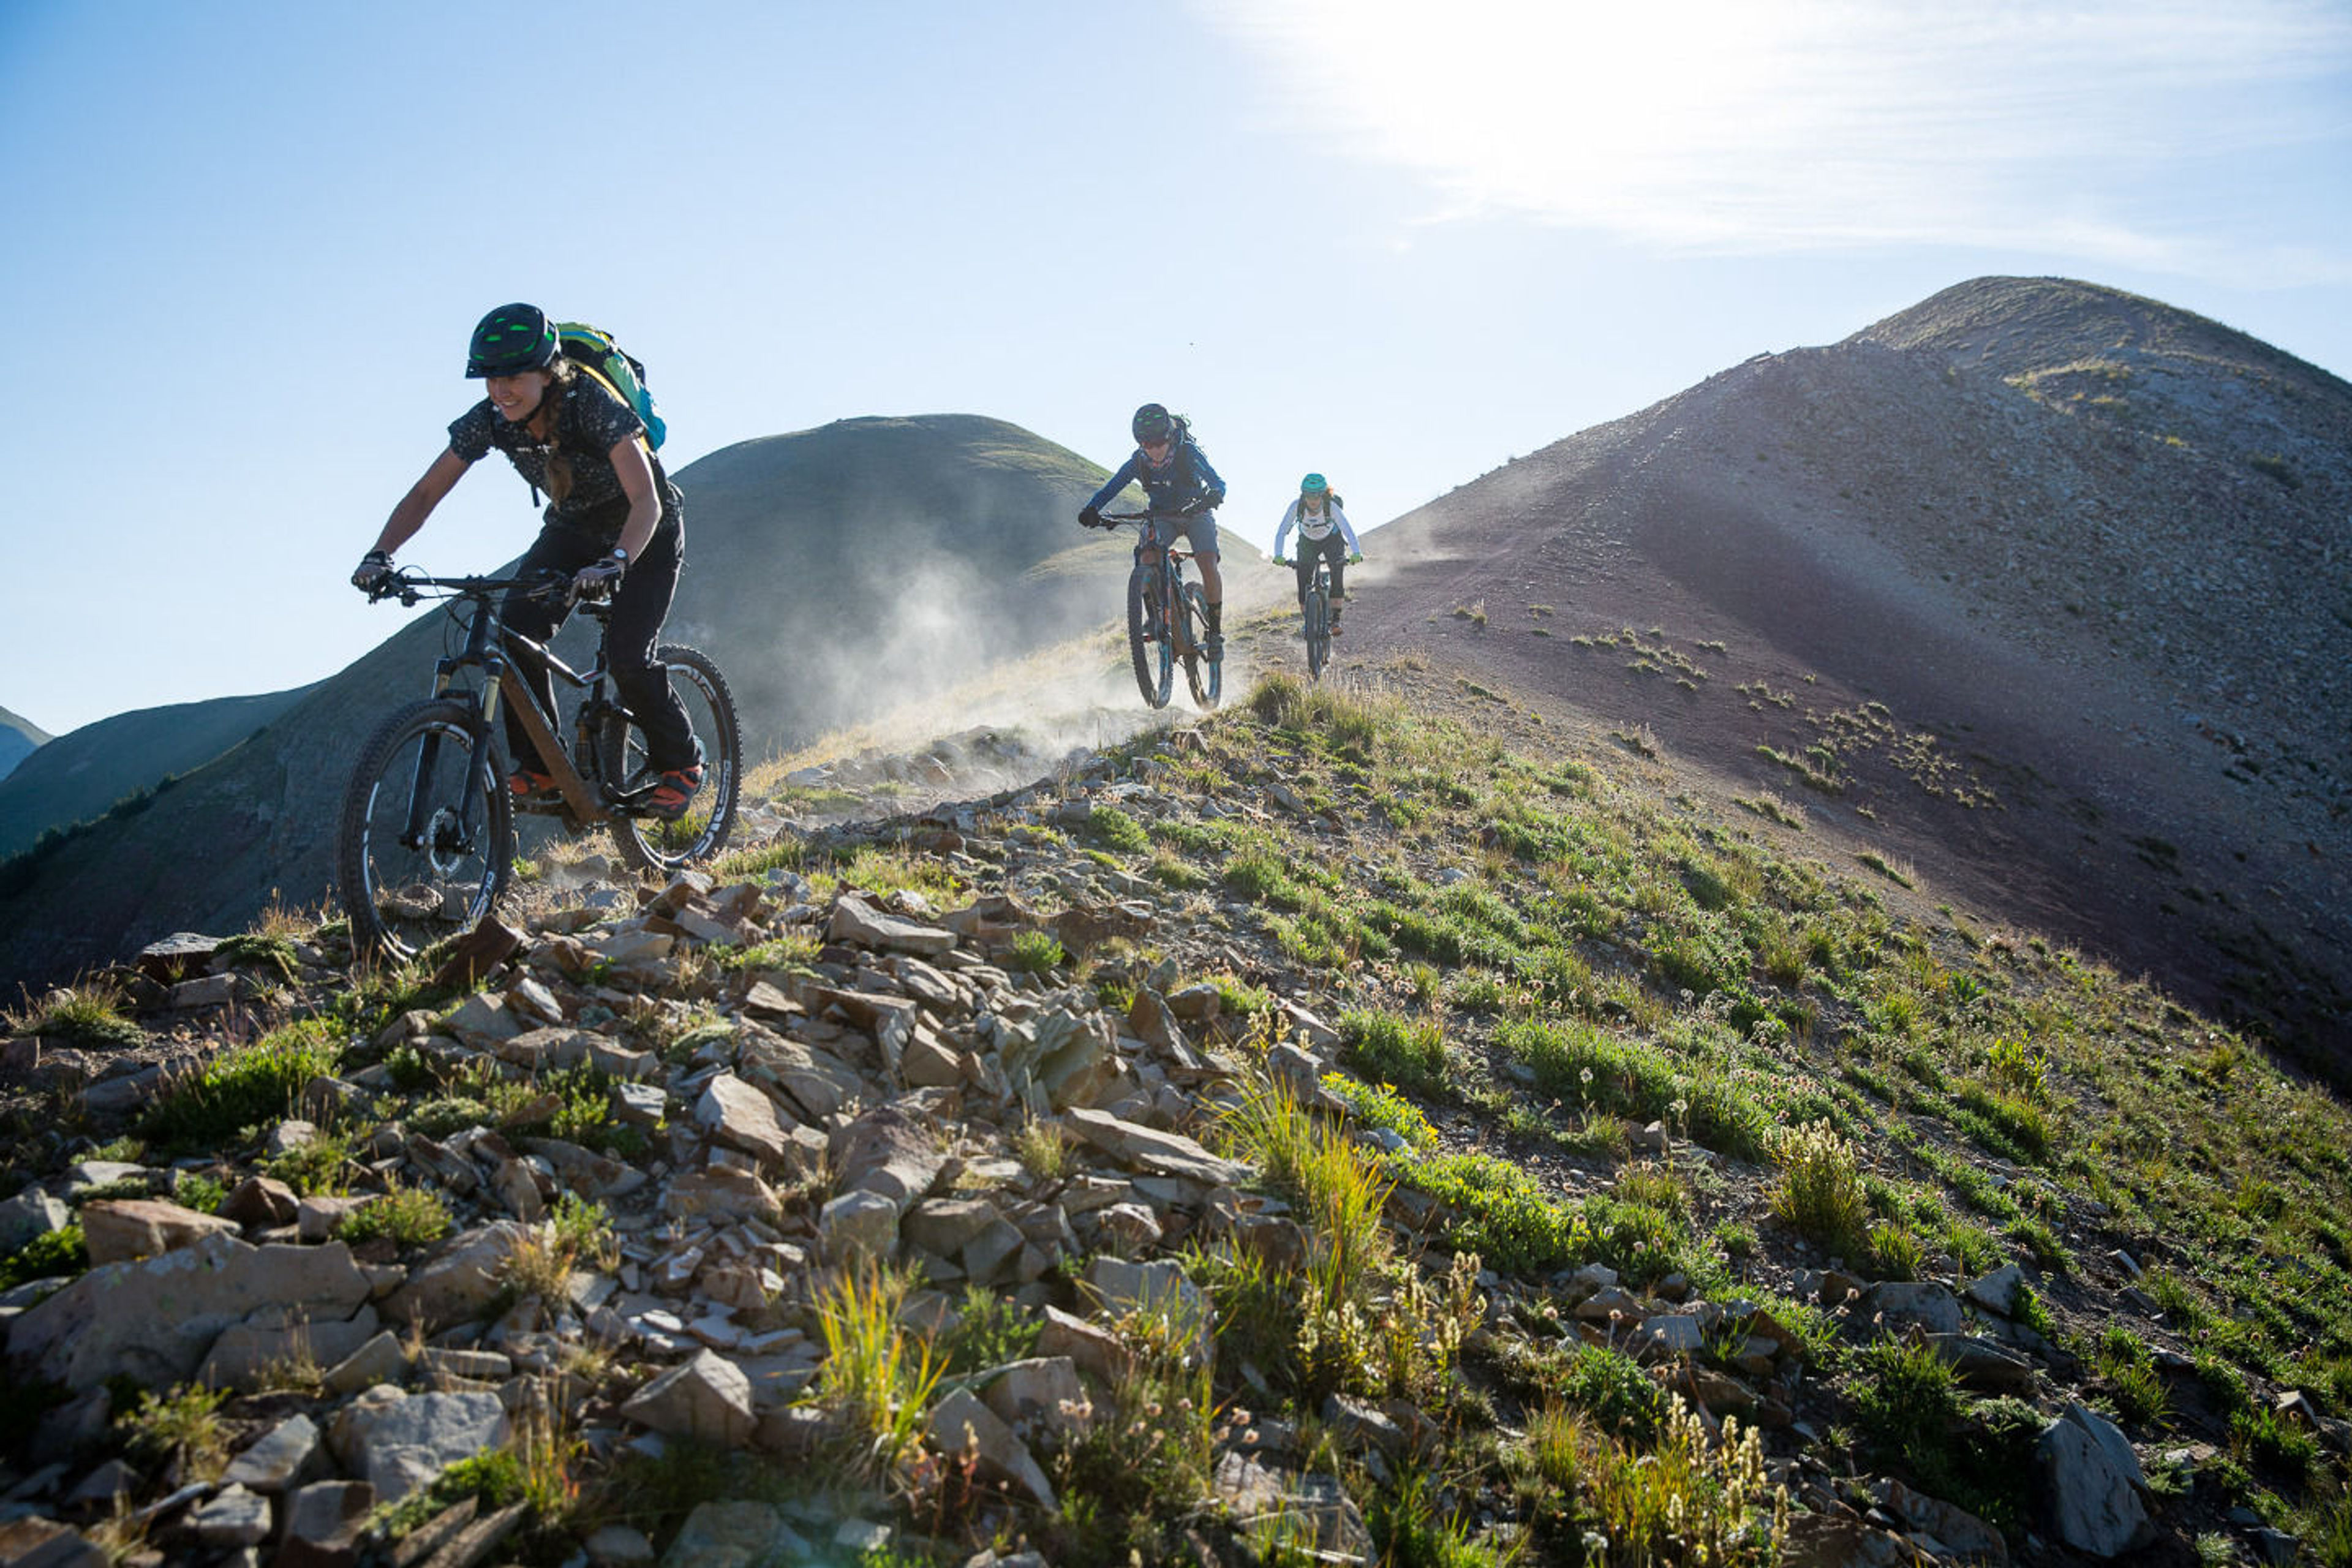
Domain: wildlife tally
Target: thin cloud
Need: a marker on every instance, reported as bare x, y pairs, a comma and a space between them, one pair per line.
1740, 126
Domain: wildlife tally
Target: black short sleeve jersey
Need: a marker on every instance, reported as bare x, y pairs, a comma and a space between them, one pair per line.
591, 424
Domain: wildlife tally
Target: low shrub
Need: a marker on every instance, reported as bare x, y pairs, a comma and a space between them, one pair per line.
49, 1255
410, 1217
1390, 1048
1035, 953
1377, 1105
181, 1430
1910, 1410
1612, 1391
1821, 1191
1502, 1214
1115, 829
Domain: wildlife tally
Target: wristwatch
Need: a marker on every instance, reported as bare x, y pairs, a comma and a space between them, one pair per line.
619, 558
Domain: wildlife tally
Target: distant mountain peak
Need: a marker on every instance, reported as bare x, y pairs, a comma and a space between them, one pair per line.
2017, 325
19, 739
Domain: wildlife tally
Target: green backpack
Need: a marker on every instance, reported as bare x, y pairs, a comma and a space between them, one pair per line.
619, 371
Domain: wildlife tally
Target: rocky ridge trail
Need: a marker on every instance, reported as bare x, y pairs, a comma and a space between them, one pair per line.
618, 1195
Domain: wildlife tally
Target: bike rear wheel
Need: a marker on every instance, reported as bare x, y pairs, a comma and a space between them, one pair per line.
1205, 676
425, 845
1153, 656
648, 843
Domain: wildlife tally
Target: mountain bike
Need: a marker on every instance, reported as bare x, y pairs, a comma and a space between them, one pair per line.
1170, 614
1315, 613
426, 842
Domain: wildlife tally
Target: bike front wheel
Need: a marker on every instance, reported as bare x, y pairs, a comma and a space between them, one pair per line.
1204, 675
1153, 656
426, 846
1318, 634
649, 843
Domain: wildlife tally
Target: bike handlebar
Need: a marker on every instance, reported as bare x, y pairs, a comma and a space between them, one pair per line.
1179, 515
410, 584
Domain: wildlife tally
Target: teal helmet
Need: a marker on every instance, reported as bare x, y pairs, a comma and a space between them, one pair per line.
1152, 422
1313, 485
510, 340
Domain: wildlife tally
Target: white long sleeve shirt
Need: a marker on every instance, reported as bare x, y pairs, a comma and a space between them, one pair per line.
1317, 526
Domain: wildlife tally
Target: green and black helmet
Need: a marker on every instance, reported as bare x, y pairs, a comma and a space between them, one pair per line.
1152, 422
510, 340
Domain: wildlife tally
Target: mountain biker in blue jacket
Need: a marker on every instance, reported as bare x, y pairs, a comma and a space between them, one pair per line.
614, 520
1184, 493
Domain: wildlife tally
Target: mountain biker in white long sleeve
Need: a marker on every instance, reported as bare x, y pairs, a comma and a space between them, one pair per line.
1323, 528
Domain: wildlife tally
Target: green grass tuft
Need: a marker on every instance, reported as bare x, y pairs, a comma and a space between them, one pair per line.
247, 1087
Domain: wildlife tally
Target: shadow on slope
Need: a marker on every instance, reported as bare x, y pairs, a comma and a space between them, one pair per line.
77, 776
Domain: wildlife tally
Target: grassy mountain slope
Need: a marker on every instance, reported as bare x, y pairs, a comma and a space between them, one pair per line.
19, 738
79, 775
2063, 653
829, 571
1616, 1180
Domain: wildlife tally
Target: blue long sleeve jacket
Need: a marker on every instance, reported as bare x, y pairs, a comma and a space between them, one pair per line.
1186, 478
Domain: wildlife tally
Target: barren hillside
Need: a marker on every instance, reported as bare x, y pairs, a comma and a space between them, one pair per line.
2035, 586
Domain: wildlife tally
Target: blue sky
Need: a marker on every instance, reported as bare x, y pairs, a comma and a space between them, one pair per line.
1398, 242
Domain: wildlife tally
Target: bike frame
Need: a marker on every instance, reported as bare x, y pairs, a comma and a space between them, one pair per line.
495, 652
1320, 585
1167, 577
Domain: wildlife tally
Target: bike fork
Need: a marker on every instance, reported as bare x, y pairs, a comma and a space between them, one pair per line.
420, 791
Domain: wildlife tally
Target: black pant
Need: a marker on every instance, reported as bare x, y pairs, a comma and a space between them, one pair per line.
1332, 547
639, 607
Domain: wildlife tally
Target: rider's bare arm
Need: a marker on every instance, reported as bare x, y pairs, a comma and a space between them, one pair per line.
637, 476
422, 497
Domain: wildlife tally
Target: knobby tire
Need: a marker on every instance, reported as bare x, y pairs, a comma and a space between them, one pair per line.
1155, 673
1318, 632
1205, 676
647, 843
386, 887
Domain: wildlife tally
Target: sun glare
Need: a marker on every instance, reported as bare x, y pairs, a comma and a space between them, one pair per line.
1808, 123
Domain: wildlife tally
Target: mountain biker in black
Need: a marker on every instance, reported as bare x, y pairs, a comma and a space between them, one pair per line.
1176, 477
612, 517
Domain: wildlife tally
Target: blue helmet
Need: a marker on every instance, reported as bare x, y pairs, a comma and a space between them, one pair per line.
510, 340
1313, 485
